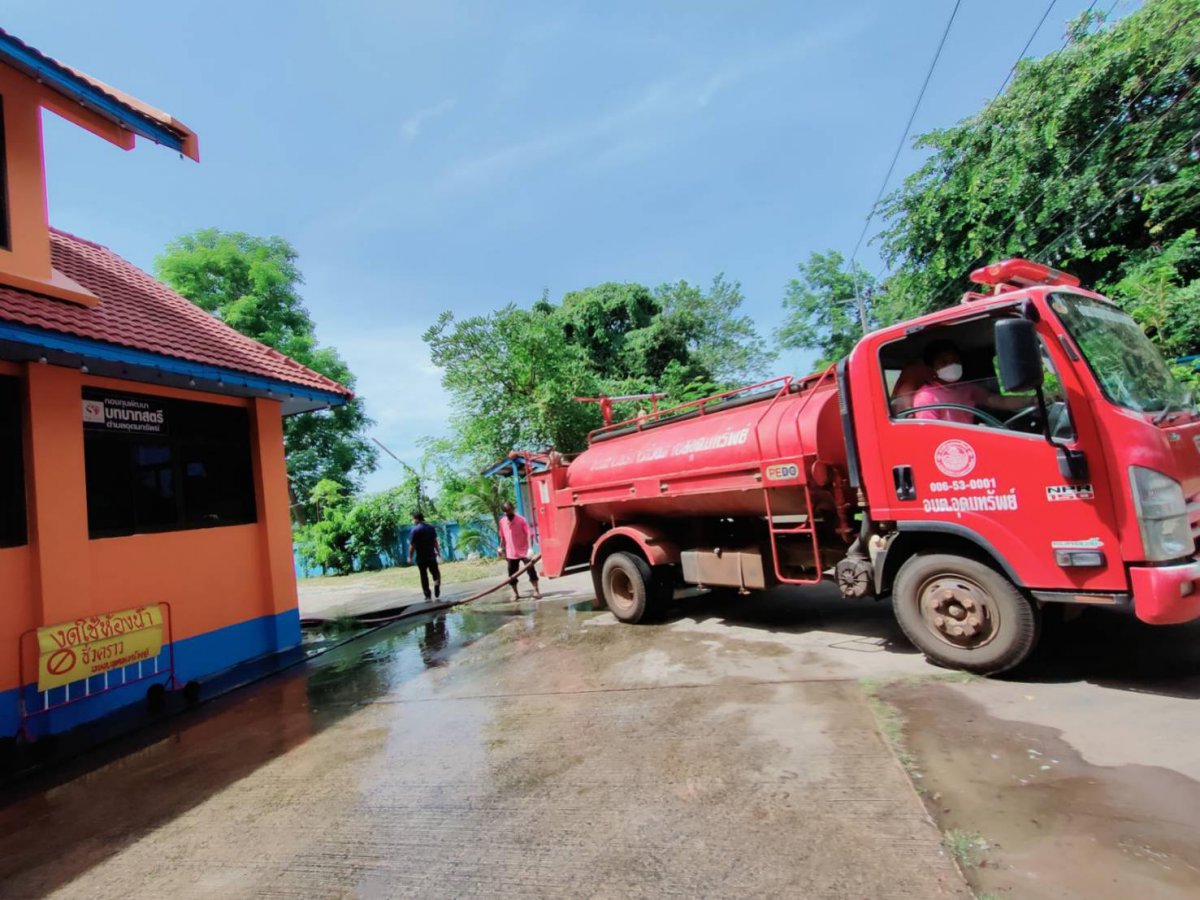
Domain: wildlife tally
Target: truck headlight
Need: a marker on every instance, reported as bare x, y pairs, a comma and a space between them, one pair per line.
1162, 515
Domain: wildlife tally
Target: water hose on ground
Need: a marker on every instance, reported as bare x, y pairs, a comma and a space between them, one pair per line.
380, 618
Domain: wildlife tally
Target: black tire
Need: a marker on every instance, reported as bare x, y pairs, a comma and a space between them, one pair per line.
662, 586
627, 585
963, 614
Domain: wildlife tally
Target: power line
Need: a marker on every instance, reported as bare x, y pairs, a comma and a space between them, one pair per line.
1020, 56
1162, 115
1151, 169
896, 156
1013, 70
907, 128
1121, 116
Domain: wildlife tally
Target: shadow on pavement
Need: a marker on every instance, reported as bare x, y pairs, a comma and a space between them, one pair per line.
1114, 650
797, 610
1104, 647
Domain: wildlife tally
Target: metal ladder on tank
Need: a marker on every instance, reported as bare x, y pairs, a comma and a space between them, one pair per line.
809, 527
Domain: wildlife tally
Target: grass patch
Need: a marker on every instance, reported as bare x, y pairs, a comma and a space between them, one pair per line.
408, 576
967, 847
873, 685
891, 726
891, 720
342, 625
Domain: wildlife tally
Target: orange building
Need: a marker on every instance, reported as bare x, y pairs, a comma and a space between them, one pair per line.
141, 446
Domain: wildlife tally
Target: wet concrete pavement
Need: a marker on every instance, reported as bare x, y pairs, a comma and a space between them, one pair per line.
1081, 774
333, 598
546, 750
511, 750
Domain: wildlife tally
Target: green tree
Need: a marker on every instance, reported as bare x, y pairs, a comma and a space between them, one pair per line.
252, 284
820, 308
619, 328
325, 539
374, 521
512, 380
514, 374
1088, 161
1162, 292
720, 340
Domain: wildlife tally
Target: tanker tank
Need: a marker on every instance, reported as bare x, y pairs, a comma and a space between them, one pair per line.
710, 460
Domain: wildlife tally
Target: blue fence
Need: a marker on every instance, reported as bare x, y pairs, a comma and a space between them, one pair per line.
449, 538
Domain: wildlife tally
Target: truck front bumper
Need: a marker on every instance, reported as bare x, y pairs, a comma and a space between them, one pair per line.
1166, 595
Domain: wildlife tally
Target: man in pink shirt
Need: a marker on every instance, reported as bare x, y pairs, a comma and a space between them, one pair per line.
515, 535
947, 386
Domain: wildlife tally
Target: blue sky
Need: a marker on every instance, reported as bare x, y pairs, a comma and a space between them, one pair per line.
451, 155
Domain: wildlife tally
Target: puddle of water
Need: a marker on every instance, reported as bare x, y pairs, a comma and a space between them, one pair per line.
1055, 825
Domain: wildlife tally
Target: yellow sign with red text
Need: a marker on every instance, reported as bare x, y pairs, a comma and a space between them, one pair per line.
96, 644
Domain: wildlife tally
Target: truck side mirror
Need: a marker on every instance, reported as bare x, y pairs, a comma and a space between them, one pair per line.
1019, 355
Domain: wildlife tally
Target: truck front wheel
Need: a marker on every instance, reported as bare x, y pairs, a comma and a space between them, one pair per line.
963, 614
627, 583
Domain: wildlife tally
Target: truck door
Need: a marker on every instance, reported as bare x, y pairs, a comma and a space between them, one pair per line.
958, 457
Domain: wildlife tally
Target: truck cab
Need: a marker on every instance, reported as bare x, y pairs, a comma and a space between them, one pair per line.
1029, 446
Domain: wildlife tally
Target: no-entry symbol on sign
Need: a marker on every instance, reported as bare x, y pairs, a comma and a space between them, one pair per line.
60, 662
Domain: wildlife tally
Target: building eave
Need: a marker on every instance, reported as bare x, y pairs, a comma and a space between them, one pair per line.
27, 344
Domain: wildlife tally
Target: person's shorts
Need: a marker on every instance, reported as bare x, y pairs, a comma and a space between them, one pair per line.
514, 566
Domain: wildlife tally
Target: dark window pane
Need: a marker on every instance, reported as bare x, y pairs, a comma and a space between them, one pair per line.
12, 466
5, 238
218, 485
155, 498
159, 465
109, 466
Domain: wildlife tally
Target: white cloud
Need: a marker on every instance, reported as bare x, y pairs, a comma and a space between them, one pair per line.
646, 121
411, 127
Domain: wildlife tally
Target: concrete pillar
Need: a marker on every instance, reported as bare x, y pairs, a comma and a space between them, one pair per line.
274, 519
58, 531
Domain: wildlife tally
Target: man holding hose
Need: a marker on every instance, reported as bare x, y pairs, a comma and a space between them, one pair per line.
515, 538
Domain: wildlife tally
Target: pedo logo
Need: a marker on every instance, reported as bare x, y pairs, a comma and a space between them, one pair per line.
954, 458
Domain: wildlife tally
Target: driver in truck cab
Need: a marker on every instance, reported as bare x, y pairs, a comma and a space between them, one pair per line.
946, 386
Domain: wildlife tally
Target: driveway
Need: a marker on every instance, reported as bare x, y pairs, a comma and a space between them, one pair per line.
543, 749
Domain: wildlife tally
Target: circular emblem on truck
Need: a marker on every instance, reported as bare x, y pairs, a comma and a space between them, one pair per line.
954, 458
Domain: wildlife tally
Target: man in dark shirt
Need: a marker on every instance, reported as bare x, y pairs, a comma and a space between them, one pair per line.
423, 546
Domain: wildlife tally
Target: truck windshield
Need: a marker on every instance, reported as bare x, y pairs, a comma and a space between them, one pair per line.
1130, 369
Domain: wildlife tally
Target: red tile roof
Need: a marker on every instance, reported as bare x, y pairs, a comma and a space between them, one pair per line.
137, 311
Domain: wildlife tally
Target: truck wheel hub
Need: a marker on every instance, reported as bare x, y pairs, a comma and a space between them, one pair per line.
958, 611
620, 589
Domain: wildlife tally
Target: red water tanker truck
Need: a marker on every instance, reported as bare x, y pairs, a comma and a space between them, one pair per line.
971, 519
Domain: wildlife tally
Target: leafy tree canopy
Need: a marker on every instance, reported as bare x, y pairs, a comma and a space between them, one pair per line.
719, 338
253, 285
820, 309
512, 378
1086, 162
513, 374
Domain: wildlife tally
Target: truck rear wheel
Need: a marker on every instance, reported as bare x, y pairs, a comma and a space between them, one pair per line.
964, 614
627, 583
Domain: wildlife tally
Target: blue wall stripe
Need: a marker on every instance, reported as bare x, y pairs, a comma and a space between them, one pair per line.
196, 658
